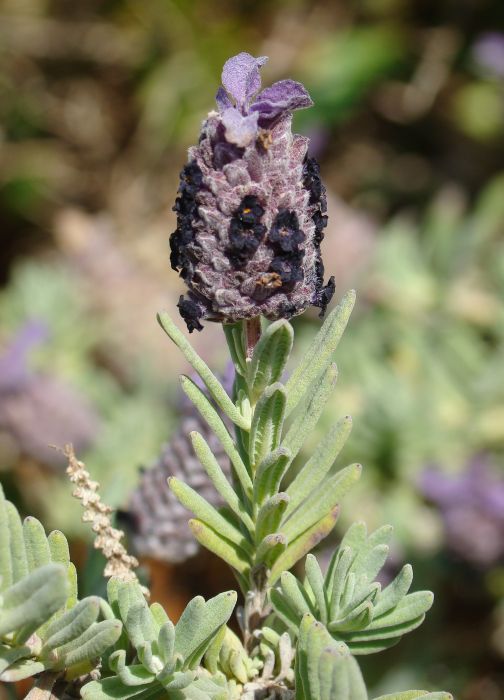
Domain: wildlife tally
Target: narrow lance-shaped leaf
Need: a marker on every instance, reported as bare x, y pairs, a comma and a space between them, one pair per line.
113, 586
296, 595
336, 577
332, 677
320, 351
146, 656
6, 578
372, 552
213, 385
207, 513
355, 536
199, 622
357, 618
135, 614
36, 544
72, 624
189, 621
58, 546
226, 550
72, 586
348, 590
219, 480
159, 615
166, 642
216, 424
325, 497
269, 474
303, 544
18, 560
382, 633
284, 611
267, 423
357, 687
32, 600
234, 335
373, 562
308, 415
25, 668
214, 649
318, 466
60, 554
91, 644
270, 548
114, 689
313, 640
395, 591
316, 581
409, 608
270, 516
300, 668
270, 356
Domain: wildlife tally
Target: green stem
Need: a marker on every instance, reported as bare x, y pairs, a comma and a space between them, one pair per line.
252, 335
242, 349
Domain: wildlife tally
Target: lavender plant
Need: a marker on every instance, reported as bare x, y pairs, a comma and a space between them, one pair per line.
251, 213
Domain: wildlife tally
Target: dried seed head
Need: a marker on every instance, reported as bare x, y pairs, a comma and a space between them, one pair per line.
251, 207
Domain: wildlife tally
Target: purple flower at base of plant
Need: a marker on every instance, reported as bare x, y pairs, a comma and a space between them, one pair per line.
251, 207
472, 508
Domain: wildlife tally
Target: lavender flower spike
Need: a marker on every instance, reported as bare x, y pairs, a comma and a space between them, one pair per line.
251, 207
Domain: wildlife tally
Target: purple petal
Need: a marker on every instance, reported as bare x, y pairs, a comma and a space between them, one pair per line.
240, 130
281, 97
240, 77
222, 99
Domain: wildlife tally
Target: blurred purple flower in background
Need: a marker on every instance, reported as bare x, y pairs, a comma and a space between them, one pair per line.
14, 367
488, 52
38, 410
472, 508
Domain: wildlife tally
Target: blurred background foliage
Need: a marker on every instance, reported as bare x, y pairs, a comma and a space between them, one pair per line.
99, 101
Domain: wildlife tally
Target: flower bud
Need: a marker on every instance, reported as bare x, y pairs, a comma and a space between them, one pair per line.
251, 207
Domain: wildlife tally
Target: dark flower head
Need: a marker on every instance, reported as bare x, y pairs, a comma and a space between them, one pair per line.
251, 206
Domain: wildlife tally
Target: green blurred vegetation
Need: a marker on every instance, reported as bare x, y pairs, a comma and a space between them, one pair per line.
98, 103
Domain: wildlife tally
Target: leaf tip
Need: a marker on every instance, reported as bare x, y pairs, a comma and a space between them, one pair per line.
195, 525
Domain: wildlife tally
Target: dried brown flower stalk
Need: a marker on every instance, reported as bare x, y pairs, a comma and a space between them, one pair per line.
107, 538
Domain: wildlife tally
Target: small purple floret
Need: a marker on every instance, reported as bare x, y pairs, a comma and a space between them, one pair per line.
241, 79
242, 82
280, 98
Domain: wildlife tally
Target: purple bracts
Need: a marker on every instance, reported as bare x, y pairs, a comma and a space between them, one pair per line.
251, 207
